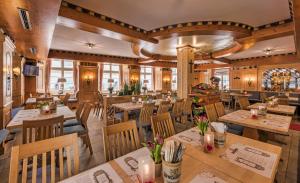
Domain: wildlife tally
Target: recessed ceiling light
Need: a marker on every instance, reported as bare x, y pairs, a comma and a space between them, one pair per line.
90, 45
268, 51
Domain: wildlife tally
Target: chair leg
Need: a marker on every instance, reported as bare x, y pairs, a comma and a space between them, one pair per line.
89, 143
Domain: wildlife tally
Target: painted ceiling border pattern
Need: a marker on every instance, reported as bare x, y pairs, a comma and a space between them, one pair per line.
266, 56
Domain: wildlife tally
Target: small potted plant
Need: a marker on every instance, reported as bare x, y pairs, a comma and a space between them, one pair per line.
44, 107
202, 124
155, 153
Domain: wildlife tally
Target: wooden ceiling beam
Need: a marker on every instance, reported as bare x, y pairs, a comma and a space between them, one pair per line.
272, 32
87, 21
296, 9
42, 16
88, 57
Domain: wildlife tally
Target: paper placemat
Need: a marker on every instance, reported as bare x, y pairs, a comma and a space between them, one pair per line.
190, 136
251, 158
100, 174
129, 162
207, 177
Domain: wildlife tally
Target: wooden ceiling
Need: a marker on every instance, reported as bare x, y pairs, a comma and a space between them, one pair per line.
42, 15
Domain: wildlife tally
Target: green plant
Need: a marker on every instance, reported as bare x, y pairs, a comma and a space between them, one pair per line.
41, 104
126, 89
202, 124
155, 148
137, 88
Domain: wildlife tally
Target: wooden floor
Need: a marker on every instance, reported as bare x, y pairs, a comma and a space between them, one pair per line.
95, 132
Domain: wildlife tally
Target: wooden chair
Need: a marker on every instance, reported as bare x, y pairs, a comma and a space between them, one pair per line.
283, 100
35, 130
226, 98
187, 110
211, 113
162, 125
263, 97
144, 120
220, 109
82, 129
77, 121
23, 154
99, 106
177, 109
120, 139
44, 99
243, 102
163, 107
66, 99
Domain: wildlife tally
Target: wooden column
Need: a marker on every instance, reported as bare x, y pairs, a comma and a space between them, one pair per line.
185, 69
18, 81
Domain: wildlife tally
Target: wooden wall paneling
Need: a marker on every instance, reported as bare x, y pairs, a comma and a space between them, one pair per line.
237, 77
250, 79
88, 82
134, 73
30, 86
166, 79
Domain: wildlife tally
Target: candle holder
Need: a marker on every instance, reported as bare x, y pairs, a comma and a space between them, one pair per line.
208, 143
146, 170
254, 113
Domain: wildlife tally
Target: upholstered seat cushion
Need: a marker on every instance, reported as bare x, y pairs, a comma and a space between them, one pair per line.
235, 129
71, 122
74, 129
3, 134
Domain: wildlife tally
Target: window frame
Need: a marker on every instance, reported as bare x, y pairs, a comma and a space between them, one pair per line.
62, 70
174, 73
110, 72
222, 73
144, 73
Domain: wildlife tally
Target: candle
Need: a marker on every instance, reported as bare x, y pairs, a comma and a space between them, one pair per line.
146, 170
208, 142
254, 113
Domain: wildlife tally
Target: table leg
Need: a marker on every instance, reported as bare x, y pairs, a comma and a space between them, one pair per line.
251, 133
125, 115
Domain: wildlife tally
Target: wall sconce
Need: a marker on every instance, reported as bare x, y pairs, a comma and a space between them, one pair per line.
16, 72
166, 80
134, 79
249, 81
88, 78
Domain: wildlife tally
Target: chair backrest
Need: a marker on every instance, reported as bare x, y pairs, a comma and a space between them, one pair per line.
243, 102
79, 111
36, 130
187, 106
162, 125
44, 99
220, 109
146, 113
225, 96
54, 148
120, 139
283, 100
66, 99
85, 114
211, 113
263, 96
178, 107
163, 107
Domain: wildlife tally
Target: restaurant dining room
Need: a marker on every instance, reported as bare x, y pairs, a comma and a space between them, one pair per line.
139, 91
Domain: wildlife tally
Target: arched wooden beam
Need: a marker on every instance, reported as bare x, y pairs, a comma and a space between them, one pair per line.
202, 28
227, 51
79, 18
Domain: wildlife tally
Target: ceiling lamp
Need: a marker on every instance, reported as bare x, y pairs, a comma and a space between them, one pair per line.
90, 45
268, 51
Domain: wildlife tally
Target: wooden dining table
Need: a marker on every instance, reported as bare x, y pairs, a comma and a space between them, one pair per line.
198, 166
34, 114
278, 109
130, 106
274, 123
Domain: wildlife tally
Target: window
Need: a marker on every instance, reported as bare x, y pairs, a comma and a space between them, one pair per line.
146, 75
61, 69
111, 71
174, 79
223, 74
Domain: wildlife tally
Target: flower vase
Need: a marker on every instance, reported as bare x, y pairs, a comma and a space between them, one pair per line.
201, 139
158, 169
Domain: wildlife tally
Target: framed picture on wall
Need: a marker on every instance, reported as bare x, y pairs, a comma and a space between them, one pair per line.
8, 74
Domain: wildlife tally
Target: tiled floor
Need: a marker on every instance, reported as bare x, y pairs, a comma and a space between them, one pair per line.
87, 161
